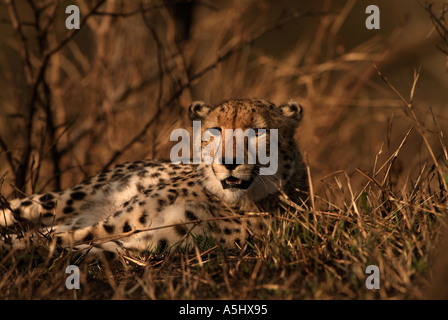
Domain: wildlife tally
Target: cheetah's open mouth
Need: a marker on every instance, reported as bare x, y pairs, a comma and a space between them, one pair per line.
232, 182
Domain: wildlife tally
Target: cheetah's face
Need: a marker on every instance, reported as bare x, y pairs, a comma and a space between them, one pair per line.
231, 179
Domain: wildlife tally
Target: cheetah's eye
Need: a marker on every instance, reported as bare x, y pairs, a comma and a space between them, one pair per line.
216, 128
260, 132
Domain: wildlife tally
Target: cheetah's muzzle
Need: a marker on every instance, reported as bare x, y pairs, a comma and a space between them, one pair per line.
232, 182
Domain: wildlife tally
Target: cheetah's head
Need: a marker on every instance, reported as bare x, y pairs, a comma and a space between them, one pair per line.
252, 178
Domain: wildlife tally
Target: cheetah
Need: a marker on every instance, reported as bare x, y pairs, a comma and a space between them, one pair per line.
156, 205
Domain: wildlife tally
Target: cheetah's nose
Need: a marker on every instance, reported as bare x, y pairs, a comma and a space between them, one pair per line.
231, 166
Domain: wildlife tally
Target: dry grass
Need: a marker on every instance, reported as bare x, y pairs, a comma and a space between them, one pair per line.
307, 253
114, 90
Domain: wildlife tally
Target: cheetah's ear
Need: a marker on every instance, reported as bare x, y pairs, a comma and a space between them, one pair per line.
292, 110
198, 110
